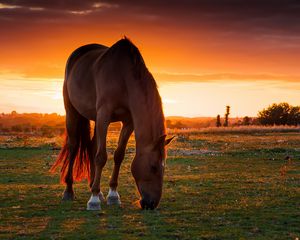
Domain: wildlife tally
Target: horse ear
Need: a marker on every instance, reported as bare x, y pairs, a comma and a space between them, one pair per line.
162, 141
167, 141
159, 143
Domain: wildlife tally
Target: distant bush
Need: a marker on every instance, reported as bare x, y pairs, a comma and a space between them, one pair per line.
280, 114
17, 128
176, 124
246, 121
32, 123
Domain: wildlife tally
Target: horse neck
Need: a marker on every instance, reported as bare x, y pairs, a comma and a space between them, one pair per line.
148, 118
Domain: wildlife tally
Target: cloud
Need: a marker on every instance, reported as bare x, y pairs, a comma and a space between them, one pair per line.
8, 6
74, 5
227, 16
183, 77
105, 5
81, 12
262, 32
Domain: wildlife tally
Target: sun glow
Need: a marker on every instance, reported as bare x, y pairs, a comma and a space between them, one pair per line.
57, 90
31, 94
168, 101
180, 98
210, 98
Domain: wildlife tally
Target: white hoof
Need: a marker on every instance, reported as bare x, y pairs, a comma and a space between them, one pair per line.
113, 198
94, 203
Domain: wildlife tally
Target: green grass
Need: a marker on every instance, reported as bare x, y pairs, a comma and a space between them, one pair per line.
217, 186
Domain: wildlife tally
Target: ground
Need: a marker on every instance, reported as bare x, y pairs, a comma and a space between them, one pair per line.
218, 185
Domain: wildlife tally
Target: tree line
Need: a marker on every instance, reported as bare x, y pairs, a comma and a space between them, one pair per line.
275, 114
280, 114
54, 124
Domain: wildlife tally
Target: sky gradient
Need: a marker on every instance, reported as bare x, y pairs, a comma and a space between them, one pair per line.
204, 54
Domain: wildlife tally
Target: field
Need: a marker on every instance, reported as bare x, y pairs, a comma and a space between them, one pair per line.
218, 185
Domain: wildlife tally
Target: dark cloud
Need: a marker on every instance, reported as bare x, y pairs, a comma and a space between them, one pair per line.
266, 23
71, 5
173, 77
283, 12
227, 17
260, 16
249, 29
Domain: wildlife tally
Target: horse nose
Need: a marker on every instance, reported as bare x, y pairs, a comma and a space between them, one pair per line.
147, 204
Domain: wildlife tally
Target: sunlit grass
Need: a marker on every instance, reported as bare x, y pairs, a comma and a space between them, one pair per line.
251, 129
217, 186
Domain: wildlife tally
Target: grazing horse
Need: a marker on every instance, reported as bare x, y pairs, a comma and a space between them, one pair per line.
105, 85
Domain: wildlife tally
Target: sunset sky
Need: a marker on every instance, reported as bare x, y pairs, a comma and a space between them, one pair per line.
204, 54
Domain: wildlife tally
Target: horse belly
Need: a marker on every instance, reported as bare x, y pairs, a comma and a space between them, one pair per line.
121, 114
82, 94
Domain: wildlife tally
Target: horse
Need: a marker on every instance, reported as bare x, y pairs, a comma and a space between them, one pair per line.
112, 84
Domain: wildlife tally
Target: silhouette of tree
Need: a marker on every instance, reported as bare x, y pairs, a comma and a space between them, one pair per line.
226, 116
294, 116
246, 121
218, 123
280, 114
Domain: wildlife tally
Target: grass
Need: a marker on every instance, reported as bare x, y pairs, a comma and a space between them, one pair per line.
251, 129
217, 186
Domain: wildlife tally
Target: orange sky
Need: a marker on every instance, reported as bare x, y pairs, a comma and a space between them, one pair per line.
204, 55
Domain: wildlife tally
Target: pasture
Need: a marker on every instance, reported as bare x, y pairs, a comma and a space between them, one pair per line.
218, 185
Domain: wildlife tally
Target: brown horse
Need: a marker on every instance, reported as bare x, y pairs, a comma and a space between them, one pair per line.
107, 85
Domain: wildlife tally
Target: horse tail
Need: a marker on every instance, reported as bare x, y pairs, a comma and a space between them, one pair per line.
76, 154
74, 157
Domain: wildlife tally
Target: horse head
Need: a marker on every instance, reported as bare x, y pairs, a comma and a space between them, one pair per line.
148, 170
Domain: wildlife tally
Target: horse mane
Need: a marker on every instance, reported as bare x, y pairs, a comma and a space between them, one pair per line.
146, 82
141, 72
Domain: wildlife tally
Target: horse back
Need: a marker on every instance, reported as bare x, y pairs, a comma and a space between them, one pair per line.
79, 78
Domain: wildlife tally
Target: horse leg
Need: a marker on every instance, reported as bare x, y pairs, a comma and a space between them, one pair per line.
102, 123
72, 145
92, 154
113, 196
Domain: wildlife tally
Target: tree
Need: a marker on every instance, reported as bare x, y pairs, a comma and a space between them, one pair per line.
218, 123
226, 116
280, 114
294, 116
246, 121
14, 113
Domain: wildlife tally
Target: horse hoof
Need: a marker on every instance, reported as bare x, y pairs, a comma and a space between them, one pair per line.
93, 206
68, 196
94, 203
113, 198
113, 201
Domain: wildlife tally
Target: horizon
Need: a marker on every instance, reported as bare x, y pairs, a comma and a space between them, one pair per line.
166, 116
45, 96
171, 116
203, 55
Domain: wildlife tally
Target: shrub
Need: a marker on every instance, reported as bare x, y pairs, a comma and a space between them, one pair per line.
280, 114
